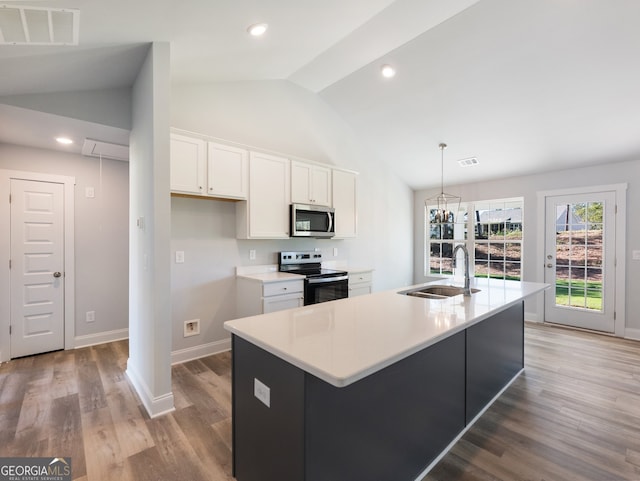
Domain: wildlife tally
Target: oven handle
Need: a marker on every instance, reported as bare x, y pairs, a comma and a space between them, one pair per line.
322, 280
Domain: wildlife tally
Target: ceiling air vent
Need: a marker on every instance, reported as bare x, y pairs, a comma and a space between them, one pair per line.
26, 25
470, 162
106, 150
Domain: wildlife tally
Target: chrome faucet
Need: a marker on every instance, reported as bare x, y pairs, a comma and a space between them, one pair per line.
467, 289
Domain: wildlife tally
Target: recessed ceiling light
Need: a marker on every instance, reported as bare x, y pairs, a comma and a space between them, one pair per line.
64, 140
257, 29
387, 71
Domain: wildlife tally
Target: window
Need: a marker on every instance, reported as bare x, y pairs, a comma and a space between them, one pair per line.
492, 232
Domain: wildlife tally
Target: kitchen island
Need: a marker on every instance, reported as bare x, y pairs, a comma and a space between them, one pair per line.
373, 387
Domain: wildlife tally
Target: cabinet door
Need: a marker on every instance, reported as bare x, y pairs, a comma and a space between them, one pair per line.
321, 185
360, 283
344, 202
300, 182
227, 171
269, 197
188, 163
359, 290
279, 303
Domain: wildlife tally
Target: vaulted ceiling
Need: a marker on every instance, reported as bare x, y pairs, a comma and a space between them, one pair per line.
523, 85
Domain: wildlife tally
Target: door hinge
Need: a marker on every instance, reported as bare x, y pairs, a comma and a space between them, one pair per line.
9, 198
9, 330
614, 315
9, 263
615, 209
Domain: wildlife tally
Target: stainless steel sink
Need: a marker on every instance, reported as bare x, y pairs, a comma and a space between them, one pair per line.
436, 291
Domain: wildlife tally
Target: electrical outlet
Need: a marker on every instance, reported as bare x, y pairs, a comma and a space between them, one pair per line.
179, 257
192, 327
335, 252
89, 192
262, 392
635, 255
90, 316
252, 255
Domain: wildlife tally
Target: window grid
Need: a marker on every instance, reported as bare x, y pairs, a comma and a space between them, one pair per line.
493, 235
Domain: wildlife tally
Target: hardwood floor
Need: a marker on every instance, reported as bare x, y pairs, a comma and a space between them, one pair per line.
574, 414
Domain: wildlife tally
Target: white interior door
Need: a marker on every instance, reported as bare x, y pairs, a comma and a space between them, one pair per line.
580, 260
37, 267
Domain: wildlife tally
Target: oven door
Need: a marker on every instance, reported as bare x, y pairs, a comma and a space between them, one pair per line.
325, 289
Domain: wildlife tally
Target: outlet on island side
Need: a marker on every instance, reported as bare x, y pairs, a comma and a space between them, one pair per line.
192, 327
262, 392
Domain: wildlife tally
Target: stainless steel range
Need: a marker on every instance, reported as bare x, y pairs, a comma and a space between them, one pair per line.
320, 285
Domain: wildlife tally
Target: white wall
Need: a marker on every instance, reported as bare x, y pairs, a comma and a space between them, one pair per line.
103, 106
278, 116
101, 233
528, 187
149, 366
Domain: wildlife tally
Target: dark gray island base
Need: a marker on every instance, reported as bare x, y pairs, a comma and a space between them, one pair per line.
388, 426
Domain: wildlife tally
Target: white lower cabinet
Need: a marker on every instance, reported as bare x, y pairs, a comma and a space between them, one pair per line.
360, 283
279, 303
255, 296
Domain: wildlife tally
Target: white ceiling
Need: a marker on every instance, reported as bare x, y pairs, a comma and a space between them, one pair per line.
524, 85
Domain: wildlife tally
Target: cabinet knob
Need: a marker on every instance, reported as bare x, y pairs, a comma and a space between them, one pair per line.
200, 187
284, 288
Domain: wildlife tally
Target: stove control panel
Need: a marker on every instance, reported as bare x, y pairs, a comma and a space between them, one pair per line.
300, 257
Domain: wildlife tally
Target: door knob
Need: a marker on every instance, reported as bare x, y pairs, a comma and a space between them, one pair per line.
56, 274
549, 265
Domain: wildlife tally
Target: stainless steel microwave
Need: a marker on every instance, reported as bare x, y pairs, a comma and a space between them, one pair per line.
312, 221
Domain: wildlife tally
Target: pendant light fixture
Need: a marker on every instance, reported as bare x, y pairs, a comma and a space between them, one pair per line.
447, 205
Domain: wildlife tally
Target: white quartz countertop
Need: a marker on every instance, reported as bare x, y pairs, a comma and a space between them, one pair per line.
346, 340
272, 277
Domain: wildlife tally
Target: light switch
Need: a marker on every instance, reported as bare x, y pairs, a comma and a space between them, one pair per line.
89, 192
252, 255
635, 255
179, 257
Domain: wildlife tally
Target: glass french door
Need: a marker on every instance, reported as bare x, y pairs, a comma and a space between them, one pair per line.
580, 260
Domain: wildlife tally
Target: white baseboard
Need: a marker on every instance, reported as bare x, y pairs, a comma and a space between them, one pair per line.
203, 350
632, 334
155, 406
533, 317
100, 338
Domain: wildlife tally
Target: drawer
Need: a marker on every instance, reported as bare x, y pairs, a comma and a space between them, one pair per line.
360, 278
279, 288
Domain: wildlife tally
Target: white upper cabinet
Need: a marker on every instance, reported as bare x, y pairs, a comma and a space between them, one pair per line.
209, 169
188, 164
345, 202
310, 183
265, 215
227, 171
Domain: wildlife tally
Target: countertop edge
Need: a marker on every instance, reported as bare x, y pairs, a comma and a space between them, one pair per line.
343, 381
